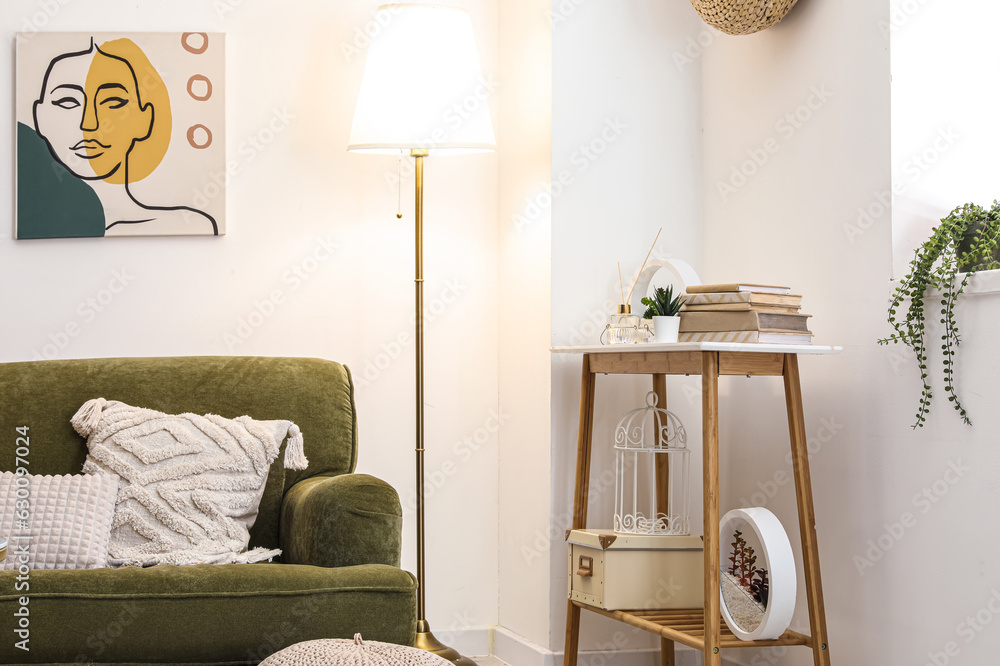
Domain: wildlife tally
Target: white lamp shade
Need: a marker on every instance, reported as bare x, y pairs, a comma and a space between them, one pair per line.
423, 86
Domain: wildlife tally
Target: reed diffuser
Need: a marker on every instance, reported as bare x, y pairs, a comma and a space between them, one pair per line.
623, 326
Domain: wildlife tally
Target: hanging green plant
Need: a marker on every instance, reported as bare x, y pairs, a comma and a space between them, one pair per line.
965, 242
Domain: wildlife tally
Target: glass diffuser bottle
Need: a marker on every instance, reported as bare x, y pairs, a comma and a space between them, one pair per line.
623, 327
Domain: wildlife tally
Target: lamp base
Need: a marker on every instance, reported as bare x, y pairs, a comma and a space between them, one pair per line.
426, 641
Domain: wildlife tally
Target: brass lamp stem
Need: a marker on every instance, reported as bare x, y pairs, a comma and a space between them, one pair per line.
425, 639
419, 287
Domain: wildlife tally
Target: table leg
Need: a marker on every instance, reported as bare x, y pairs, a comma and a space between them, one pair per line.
807, 516
710, 449
572, 634
581, 495
667, 652
662, 462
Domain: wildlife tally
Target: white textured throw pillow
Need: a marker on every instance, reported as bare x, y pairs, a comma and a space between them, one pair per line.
191, 485
57, 522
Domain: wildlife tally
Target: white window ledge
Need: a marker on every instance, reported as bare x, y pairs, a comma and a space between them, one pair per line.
983, 282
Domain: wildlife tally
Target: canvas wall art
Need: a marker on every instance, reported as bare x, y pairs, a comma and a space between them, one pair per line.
120, 134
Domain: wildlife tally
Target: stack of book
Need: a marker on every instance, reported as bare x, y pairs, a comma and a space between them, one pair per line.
743, 312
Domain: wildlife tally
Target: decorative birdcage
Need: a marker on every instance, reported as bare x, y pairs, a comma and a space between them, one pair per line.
651, 472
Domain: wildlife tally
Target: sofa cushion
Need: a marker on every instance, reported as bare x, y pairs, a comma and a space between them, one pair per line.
314, 393
205, 613
57, 522
191, 484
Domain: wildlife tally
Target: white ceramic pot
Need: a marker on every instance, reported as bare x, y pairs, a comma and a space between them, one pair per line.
665, 329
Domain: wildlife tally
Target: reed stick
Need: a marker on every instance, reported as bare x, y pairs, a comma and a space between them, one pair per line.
643, 265
621, 286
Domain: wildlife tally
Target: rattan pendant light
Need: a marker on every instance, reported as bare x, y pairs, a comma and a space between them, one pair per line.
742, 17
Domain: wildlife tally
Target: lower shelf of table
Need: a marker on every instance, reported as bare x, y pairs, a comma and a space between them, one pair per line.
687, 627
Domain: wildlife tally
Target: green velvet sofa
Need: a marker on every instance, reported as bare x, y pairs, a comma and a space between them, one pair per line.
340, 532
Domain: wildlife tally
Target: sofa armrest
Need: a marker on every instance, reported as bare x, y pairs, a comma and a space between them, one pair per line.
337, 521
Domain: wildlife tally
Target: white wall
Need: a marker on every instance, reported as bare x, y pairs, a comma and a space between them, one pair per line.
525, 131
789, 223
626, 141
660, 78
943, 124
300, 192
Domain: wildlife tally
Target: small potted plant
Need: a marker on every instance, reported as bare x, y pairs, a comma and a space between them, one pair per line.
966, 241
663, 309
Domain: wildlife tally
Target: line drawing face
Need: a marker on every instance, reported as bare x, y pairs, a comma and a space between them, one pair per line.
92, 115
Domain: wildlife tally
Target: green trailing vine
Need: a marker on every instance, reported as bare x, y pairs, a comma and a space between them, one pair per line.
964, 242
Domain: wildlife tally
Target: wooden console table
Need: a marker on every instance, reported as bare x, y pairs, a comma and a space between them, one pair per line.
703, 628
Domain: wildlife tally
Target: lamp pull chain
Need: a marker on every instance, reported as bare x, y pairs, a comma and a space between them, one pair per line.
399, 187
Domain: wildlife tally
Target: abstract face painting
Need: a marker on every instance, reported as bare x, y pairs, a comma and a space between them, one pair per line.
108, 144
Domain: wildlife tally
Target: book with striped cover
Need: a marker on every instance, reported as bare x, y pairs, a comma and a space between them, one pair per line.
753, 298
743, 321
767, 337
737, 287
740, 307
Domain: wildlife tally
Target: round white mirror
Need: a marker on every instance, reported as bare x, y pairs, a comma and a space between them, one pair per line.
757, 577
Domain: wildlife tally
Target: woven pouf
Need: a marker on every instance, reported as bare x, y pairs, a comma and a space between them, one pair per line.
343, 652
742, 17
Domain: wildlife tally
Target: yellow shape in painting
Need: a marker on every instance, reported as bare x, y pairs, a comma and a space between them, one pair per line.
128, 113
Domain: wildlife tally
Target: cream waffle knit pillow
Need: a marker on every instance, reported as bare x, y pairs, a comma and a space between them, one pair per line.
190, 485
57, 522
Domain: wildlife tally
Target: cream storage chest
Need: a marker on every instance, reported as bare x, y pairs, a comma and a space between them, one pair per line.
635, 571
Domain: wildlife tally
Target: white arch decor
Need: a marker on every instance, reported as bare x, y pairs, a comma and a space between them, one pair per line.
757, 590
684, 276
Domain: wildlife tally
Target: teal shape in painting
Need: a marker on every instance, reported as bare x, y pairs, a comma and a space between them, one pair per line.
51, 201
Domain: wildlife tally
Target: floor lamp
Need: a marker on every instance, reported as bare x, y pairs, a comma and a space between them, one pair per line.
422, 93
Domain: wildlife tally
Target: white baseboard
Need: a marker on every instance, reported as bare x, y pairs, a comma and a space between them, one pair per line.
516, 650
474, 642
